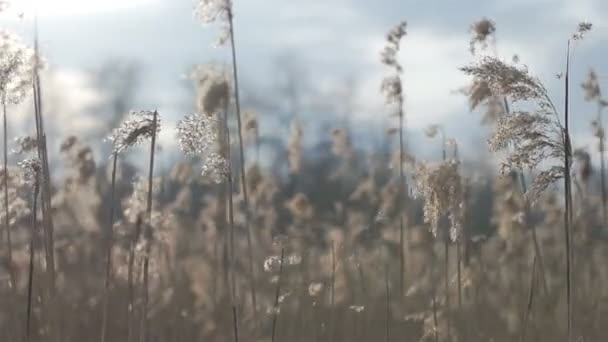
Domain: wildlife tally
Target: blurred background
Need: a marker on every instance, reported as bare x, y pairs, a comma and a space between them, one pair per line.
326, 241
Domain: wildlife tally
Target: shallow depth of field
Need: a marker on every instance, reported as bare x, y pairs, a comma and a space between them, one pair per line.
256, 206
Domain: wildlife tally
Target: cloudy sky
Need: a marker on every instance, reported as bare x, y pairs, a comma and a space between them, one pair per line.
332, 41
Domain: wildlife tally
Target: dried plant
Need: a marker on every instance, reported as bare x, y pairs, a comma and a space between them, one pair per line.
294, 148
482, 35
535, 135
222, 11
32, 169
392, 88
440, 187
16, 67
138, 128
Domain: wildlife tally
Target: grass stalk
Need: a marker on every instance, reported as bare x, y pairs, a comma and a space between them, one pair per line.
387, 332
109, 241
9, 243
30, 279
231, 243
528, 312
277, 295
237, 101
148, 233
131, 279
568, 197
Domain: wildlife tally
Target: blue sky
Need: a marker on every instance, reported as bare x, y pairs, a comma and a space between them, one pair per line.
333, 42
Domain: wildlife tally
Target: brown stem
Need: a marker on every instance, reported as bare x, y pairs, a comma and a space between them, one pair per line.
568, 198
277, 295
131, 279
242, 167
148, 233
9, 243
30, 280
231, 247
109, 240
46, 179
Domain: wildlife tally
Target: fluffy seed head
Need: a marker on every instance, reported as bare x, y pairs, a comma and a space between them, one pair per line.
197, 134
212, 87
392, 87
591, 87
482, 31
583, 28
16, 68
211, 11
216, 168
139, 127
31, 168
25, 144
441, 189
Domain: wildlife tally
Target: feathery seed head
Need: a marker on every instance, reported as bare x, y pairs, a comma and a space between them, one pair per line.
482, 31
442, 191
211, 11
212, 86
197, 134
392, 85
16, 68
25, 144
591, 87
31, 168
501, 79
583, 28
216, 168
393, 45
139, 127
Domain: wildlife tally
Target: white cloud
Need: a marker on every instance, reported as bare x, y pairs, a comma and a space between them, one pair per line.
48, 8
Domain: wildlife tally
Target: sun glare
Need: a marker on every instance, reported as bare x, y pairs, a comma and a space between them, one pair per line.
73, 7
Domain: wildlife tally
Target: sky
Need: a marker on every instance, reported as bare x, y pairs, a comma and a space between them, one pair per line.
335, 44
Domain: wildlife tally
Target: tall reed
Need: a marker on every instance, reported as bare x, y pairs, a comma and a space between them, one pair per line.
148, 231
392, 87
109, 241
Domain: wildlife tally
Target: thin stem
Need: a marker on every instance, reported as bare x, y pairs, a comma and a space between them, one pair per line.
332, 293
459, 271
530, 301
447, 287
388, 304
9, 243
109, 244
30, 280
602, 166
242, 165
131, 279
568, 198
46, 179
277, 295
231, 254
402, 186
435, 320
148, 233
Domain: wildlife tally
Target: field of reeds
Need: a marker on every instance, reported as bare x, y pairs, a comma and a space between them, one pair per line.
338, 243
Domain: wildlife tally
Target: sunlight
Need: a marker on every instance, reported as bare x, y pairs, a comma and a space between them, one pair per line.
47, 8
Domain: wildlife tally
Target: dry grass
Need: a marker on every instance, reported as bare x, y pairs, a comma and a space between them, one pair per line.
335, 249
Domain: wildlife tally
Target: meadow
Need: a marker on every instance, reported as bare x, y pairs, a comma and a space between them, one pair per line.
336, 244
